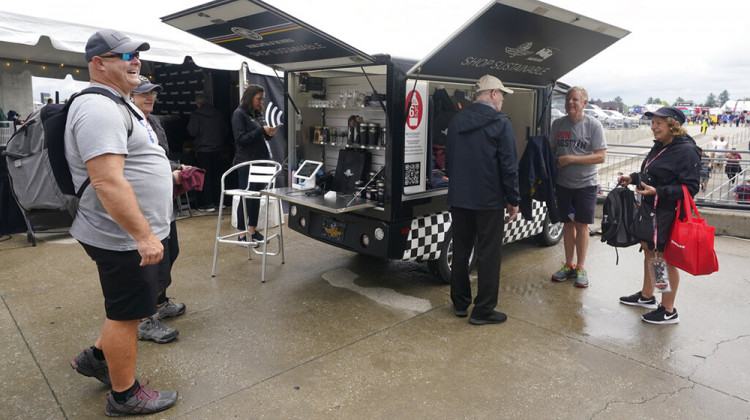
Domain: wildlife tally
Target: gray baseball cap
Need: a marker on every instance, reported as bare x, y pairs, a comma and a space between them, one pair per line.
110, 40
146, 86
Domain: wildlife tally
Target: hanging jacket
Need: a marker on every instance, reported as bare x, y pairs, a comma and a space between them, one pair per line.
209, 128
537, 177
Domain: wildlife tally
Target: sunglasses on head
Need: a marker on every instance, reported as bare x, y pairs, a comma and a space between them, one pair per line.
124, 56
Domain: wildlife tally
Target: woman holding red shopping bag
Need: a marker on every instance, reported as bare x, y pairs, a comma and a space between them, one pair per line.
672, 162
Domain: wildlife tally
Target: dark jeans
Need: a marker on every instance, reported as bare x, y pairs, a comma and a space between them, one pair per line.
483, 230
253, 206
214, 164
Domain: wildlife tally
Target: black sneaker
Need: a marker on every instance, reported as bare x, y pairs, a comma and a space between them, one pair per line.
257, 237
461, 313
88, 365
143, 401
638, 300
493, 318
661, 316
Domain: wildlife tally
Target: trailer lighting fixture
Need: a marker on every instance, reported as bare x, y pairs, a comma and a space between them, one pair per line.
293, 210
302, 222
379, 234
365, 241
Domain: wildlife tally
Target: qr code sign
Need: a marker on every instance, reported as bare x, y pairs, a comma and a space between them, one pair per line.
411, 174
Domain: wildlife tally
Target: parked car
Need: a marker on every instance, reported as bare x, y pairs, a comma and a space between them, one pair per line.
555, 114
615, 118
601, 116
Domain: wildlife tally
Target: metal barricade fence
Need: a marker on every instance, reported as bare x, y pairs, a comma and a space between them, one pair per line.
6, 130
724, 188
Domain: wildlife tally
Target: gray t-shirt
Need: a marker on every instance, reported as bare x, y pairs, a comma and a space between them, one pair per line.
96, 126
579, 139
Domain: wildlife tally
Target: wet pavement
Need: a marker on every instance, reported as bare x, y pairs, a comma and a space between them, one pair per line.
332, 334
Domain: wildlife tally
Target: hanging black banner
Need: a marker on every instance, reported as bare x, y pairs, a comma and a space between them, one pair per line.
274, 115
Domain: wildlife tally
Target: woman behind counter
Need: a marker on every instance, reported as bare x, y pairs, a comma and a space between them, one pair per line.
672, 162
250, 136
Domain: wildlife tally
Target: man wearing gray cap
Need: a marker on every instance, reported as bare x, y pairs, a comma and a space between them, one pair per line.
482, 164
122, 220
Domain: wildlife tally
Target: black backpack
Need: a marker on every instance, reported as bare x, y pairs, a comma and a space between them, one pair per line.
617, 219
39, 173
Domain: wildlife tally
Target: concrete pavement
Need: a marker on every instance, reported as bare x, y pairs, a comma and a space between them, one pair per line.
335, 335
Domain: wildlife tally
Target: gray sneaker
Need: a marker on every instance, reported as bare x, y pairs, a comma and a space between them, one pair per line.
88, 365
143, 401
170, 309
582, 279
153, 329
565, 272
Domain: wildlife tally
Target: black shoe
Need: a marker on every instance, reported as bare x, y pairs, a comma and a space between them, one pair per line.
637, 299
461, 313
661, 316
494, 317
257, 237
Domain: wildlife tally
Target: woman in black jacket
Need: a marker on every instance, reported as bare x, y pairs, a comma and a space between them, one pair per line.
674, 161
250, 136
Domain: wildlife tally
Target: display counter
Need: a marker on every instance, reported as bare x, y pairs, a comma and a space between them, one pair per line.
342, 203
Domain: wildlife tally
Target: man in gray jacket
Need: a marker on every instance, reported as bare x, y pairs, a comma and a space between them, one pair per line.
482, 163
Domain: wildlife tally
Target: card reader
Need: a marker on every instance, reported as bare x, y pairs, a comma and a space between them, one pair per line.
305, 176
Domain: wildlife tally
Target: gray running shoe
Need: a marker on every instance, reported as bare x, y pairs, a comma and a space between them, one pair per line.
88, 365
582, 280
143, 401
153, 329
170, 309
565, 272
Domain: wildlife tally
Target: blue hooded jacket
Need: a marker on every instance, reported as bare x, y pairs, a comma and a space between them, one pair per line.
482, 160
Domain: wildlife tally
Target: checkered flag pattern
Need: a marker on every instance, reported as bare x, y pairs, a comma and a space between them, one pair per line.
425, 237
522, 228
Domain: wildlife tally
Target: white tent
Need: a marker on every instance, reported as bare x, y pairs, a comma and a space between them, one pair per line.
50, 48
736, 106
32, 46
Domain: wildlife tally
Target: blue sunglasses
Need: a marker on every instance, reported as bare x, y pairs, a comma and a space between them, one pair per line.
125, 56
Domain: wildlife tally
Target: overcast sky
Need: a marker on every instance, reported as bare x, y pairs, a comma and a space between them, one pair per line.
687, 48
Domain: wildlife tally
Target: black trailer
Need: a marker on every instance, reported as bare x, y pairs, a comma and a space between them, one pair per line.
377, 122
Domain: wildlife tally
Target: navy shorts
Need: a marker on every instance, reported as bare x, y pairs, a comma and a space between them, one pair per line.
579, 201
129, 289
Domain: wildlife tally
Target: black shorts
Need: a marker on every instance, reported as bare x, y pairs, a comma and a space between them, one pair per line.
580, 201
129, 289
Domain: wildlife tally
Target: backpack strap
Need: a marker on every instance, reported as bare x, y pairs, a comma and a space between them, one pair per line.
123, 104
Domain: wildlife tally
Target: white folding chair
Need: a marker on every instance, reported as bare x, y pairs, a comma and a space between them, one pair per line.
259, 172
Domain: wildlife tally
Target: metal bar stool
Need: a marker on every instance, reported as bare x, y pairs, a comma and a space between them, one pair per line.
259, 172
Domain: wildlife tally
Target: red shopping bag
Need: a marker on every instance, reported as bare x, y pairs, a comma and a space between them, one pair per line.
691, 243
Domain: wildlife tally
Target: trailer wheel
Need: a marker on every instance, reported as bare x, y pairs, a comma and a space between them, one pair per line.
441, 267
551, 233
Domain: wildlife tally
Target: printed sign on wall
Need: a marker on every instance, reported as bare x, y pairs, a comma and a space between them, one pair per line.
415, 138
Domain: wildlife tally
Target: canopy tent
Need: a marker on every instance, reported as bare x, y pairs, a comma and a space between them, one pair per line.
736, 106
51, 48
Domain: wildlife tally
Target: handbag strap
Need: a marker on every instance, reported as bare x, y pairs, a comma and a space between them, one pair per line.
689, 205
